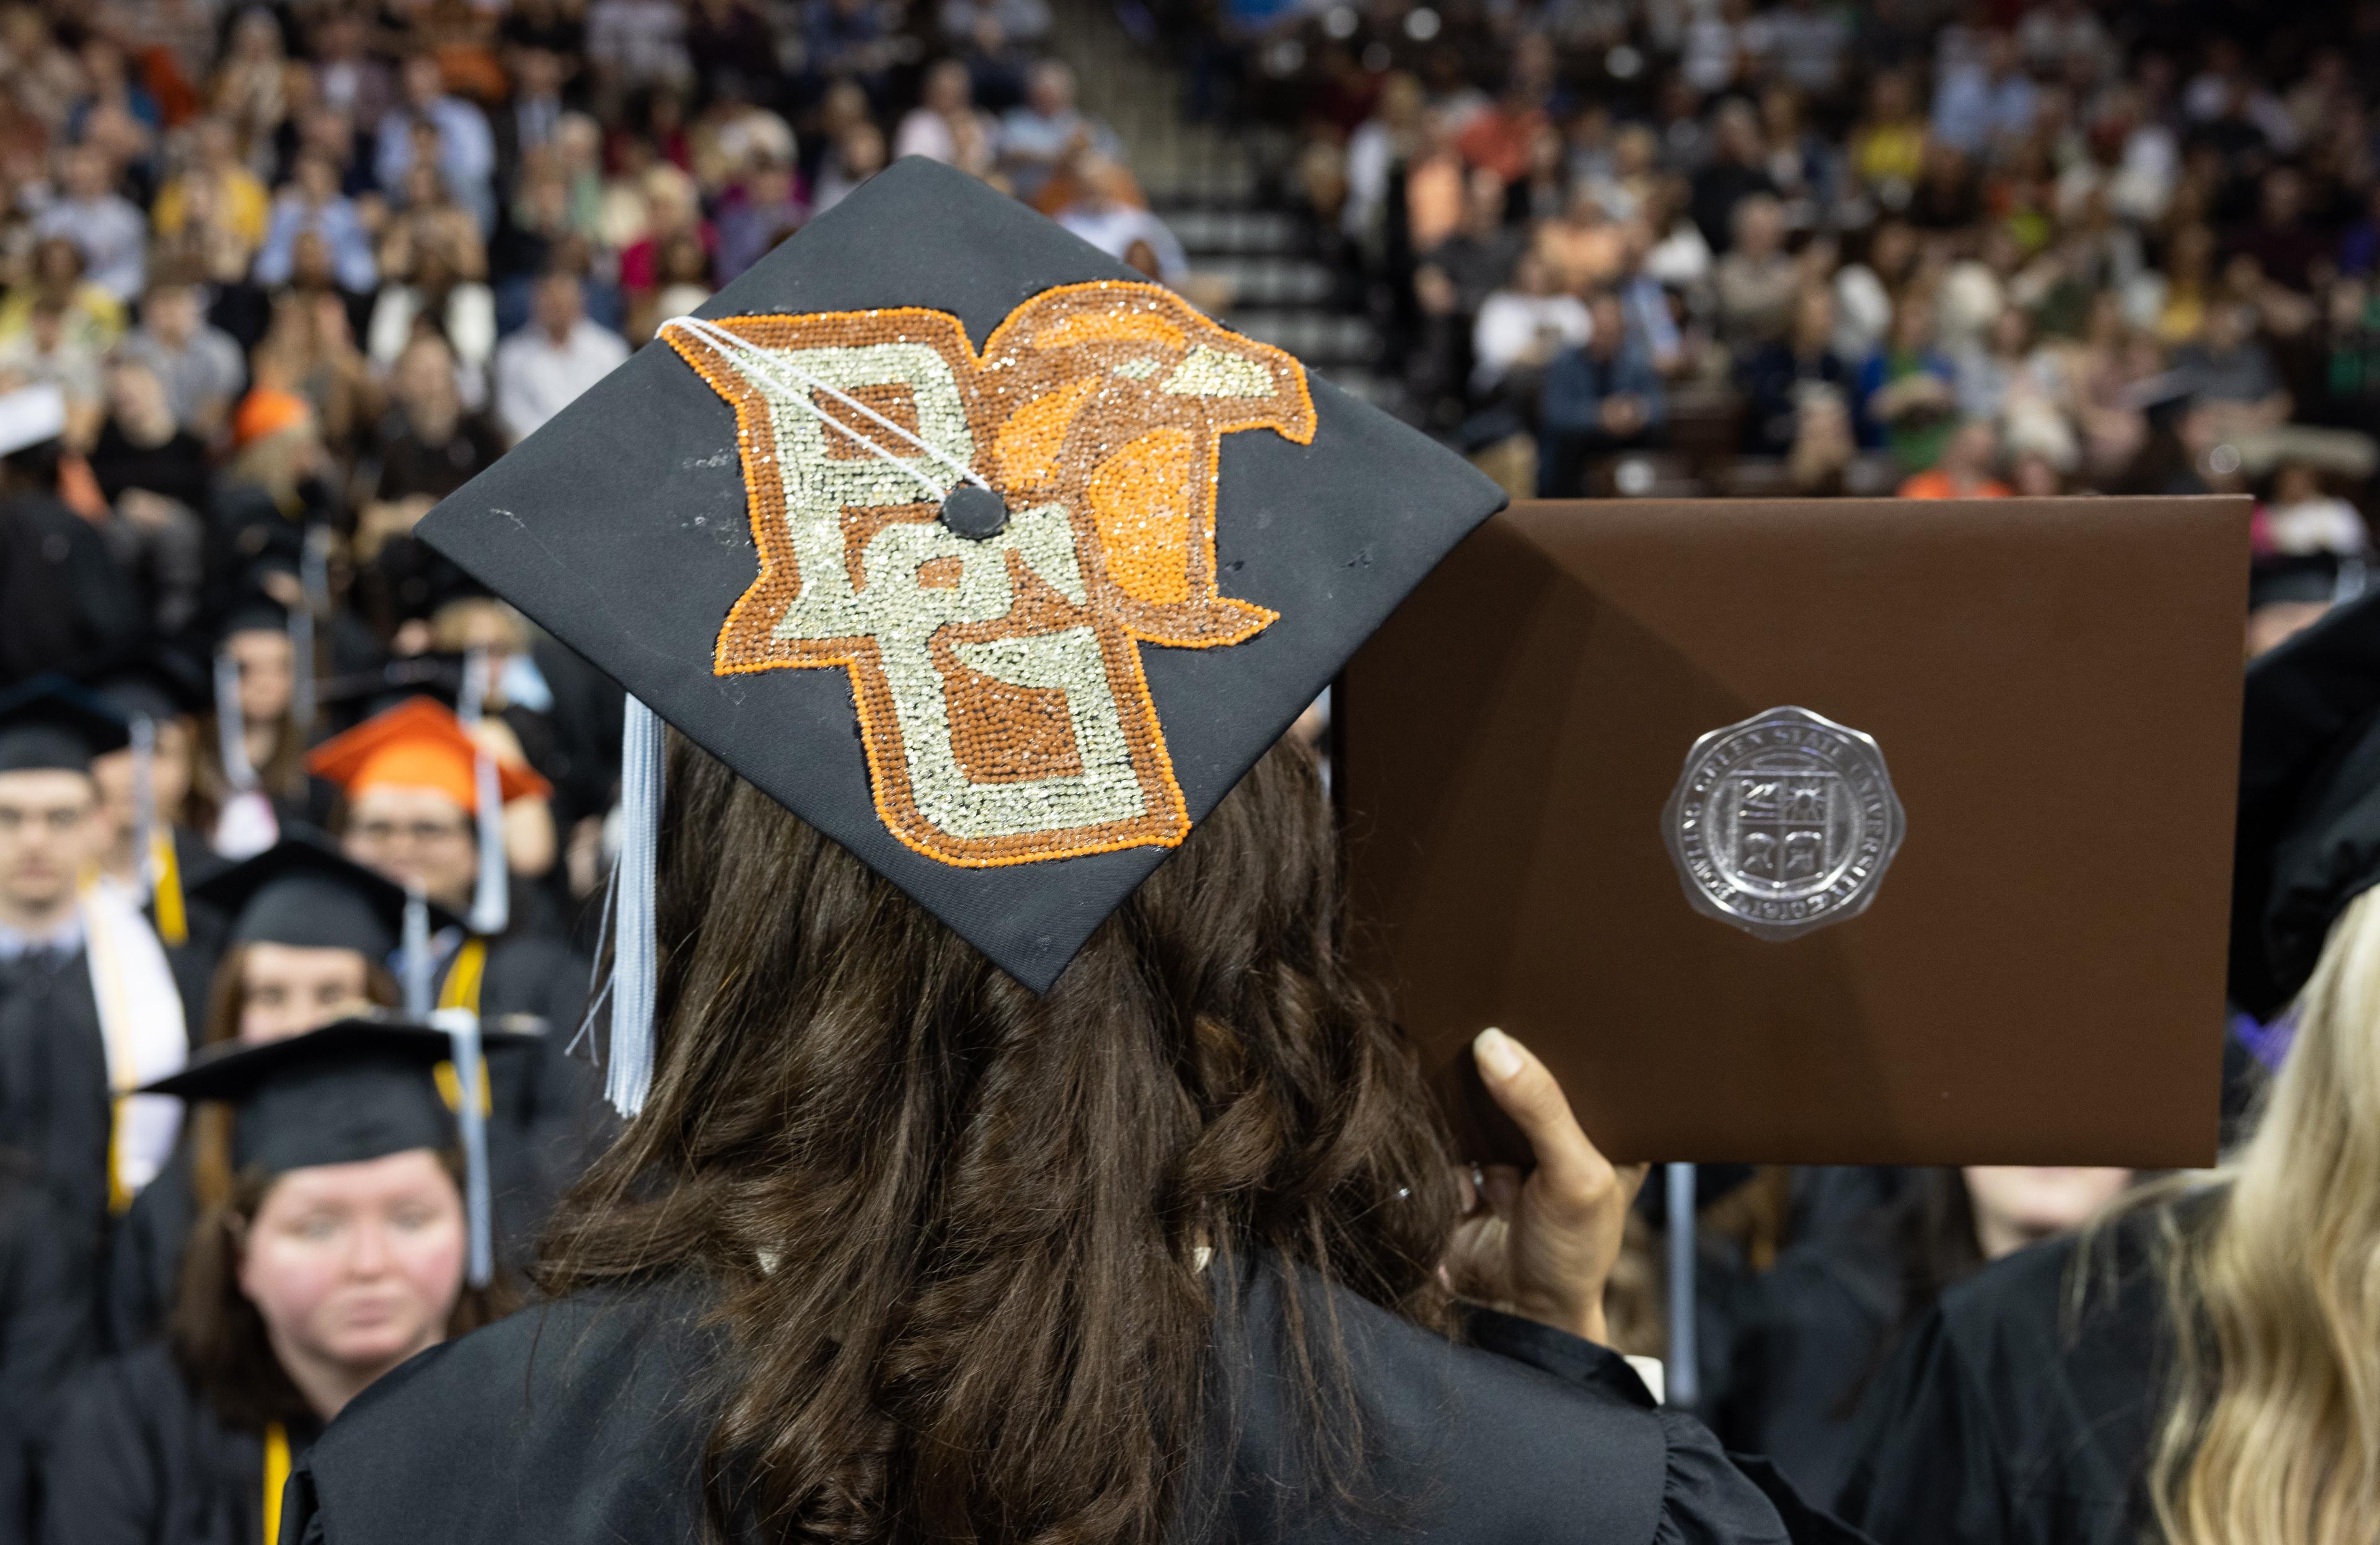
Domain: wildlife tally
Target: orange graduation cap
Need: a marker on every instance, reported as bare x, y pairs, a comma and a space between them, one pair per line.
418, 744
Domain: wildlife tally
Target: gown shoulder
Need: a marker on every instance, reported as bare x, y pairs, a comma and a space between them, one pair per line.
585, 1421
576, 1420
2021, 1409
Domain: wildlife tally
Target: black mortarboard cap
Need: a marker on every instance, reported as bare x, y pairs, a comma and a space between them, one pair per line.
152, 679
2282, 579
51, 725
302, 893
776, 529
2308, 831
353, 1091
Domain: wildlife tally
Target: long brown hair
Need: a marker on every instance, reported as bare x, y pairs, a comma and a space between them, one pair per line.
217, 1337
959, 1228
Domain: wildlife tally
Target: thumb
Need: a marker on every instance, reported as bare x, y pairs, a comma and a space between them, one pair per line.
1524, 1089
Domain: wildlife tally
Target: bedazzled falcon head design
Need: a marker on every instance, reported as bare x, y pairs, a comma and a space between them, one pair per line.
990, 559
994, 657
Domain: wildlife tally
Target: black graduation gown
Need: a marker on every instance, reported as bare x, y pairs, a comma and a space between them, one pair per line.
550, 1101
57, 1106
144, 1255
1812, 1340
45, 1332
1998, 1422
136, 1456
583, 1421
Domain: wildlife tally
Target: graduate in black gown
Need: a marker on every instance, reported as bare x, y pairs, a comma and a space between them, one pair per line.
70, 1054
411, 782
45, 1326
313, 938
152, 849
984, 1178
251, 778
339, 1250
1818, 1327
2187, 1370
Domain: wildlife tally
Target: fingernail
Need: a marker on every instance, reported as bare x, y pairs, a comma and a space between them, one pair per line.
1499, 1055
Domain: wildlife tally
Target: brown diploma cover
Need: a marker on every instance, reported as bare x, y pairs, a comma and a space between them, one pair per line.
2037, 975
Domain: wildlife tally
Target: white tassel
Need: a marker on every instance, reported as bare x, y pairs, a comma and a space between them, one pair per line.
491, 902
144, 801
301, 672
231, 730
415, 951
1685, 1370
462, 1028
629, 1077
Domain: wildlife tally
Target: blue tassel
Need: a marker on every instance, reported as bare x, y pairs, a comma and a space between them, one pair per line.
635, 965
462, 1028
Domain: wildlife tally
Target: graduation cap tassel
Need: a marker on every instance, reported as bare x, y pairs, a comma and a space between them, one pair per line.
414, 948
301, 672
462, 1028
491, 902
630, 1074
1682, 1377
144, 800
231, 730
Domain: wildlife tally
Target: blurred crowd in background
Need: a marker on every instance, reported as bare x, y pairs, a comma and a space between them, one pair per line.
298, 271
1791, 246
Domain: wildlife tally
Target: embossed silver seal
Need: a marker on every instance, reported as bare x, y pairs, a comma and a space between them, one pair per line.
1782, 823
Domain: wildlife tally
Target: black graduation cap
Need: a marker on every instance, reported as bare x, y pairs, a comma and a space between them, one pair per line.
150, 678
51, 725
990, 559
2309, 830
2324, 577
301, 891
354, 1090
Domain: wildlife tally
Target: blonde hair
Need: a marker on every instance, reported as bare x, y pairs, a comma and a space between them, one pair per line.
2271, 1433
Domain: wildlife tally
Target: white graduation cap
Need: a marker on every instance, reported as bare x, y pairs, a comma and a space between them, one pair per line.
30, 414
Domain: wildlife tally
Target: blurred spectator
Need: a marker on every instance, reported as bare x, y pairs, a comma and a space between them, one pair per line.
1107, 212
2300, 518
1734, 174
1755, 280
1045, 130
107, 228
1523, 326
94, 315
946, 125
142, 447
856, 154
464, 151
1780, 379
196, 363
1980, 101
1904, 390
1964, 469
47, 353
1021, 22
1598, 399
213, 177
2229, 375
541, 368
759, 212
428, 444
848, 40
312, 206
